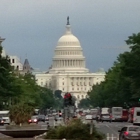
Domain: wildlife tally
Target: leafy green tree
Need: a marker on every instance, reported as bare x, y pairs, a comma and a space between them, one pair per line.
84, 103
121, 85
58, 93
21, 113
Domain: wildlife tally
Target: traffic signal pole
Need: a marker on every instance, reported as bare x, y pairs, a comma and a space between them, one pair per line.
68, 107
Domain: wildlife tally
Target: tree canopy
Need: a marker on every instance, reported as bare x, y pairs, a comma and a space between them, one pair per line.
121, 85
16, 88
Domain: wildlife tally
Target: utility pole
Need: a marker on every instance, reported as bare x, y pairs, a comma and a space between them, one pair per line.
91, 127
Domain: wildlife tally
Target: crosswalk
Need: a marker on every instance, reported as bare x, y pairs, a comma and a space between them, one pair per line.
112, 137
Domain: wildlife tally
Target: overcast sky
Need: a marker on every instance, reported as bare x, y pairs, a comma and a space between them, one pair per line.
33, 27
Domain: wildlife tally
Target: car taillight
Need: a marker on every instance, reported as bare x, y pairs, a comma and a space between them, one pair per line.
126, 133
29, 120
2, 121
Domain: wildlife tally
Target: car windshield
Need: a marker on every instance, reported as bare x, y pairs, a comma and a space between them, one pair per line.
134, 128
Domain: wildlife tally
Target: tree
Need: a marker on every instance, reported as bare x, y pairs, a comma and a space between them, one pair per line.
58, 93
121, 81
21, 113
84, 103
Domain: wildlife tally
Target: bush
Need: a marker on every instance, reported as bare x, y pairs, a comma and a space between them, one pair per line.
75, 130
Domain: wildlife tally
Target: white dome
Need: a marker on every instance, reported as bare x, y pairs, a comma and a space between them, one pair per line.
68, 40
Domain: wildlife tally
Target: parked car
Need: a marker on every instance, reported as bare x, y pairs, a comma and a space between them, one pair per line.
34, 119
131, 132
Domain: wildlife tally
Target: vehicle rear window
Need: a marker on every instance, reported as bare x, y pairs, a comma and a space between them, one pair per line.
134, 128
138, 113
105, 114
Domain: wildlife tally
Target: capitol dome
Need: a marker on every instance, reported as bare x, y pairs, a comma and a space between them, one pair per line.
68, 39
68, 54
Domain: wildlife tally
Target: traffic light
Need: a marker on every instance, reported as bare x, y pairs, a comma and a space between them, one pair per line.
139, 99
67, 99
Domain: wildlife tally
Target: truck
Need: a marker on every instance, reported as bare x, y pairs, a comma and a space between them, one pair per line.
125, 115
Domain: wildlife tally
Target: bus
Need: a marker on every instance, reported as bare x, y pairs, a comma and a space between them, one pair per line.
116, 113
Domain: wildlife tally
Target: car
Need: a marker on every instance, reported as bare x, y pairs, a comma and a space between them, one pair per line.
6, 120
34, 119
46, 118
88, 117
131, 132
105, 117
41, 118
1, 121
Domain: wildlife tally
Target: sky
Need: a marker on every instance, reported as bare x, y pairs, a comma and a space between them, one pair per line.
31, 28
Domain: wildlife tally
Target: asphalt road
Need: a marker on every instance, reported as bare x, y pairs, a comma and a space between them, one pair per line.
110, 129
107, 128
44, 125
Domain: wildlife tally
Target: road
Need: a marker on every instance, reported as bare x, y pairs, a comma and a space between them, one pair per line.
110, 129
107, 128
44, 125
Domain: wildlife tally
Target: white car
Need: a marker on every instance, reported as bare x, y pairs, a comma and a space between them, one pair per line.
6, 120
88, 117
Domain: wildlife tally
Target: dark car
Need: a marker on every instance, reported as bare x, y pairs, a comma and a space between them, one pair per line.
41, 118
129, 133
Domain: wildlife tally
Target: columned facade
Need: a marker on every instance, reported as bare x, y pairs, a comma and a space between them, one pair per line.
68, 72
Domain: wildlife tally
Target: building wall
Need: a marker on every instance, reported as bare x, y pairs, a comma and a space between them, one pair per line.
77, 84
15, 61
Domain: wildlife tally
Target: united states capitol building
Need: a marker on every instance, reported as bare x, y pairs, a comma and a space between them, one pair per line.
68, 72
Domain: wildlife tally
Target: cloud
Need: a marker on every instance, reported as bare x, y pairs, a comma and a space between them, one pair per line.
34, 27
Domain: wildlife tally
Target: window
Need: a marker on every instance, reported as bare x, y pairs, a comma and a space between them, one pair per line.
13, 60
77, 88
41, 83
138, 113
17, 67
63, 89
63, 83
77, 84
72, 88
